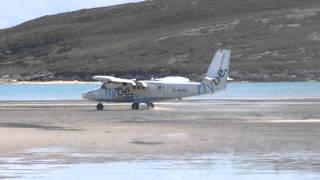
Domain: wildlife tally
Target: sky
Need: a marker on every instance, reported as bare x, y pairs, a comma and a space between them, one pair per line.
14, 12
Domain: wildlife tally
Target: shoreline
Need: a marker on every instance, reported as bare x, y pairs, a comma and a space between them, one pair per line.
47, 82
3, 82
175, 101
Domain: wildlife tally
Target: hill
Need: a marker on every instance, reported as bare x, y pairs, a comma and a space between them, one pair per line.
271, 40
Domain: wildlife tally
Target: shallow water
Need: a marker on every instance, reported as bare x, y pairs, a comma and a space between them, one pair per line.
281, 90
233, 91
44, 163
43, 91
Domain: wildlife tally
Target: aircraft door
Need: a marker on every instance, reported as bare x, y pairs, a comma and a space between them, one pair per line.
161, 91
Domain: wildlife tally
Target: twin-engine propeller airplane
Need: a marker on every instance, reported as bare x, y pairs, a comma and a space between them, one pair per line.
144, 93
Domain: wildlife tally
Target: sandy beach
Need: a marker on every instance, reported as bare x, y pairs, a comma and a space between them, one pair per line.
173, 128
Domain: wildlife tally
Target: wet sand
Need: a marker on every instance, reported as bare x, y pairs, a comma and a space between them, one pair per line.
173, 128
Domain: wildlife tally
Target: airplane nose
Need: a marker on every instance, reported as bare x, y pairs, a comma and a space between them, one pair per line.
91, 95
85, 95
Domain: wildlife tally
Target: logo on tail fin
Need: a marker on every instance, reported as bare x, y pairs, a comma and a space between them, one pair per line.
217, 74
221, 74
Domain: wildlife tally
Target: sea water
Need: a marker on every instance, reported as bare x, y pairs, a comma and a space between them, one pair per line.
235, 90
294, 166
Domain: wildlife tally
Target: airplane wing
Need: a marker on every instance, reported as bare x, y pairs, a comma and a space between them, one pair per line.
111, 79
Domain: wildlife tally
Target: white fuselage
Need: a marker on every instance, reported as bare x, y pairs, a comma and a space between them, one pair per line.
155, 90
143, 93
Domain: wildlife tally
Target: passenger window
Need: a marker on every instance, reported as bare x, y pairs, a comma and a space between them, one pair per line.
134, 87
138, 87
159, 87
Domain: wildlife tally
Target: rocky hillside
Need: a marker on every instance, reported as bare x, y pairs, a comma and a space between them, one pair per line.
271, 40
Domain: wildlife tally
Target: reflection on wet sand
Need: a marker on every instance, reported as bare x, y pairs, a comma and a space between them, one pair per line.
61, 163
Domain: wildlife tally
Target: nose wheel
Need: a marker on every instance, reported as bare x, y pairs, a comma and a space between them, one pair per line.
100, 107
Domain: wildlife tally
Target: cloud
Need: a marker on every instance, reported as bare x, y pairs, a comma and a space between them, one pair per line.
14, 12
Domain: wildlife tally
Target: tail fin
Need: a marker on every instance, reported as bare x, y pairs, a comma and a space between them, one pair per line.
216, 77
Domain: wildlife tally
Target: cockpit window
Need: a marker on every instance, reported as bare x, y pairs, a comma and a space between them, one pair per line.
104, 86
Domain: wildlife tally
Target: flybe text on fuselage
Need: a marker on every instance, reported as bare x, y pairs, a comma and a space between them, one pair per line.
120, 93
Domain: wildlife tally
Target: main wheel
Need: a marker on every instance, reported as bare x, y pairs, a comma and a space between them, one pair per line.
100, 107
135, 106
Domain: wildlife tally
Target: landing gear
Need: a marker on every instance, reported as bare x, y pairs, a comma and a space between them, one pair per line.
100, 107
151, 105
135, 106
141, 106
